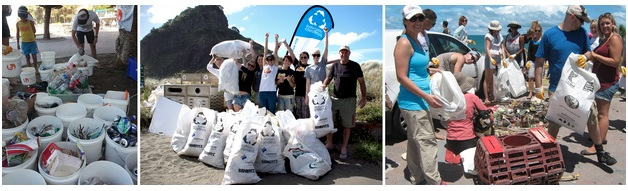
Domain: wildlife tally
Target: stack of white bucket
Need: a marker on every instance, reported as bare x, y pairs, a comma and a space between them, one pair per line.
47, 65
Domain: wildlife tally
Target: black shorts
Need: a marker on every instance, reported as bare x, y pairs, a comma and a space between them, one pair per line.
6, 33
89, 35
458, 146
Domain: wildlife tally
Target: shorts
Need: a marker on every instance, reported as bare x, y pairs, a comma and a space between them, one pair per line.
29, 48
531, 71
608, 93
81, 35
457, 146
228, 99
487, 62
345, 109
240, 100
285, 102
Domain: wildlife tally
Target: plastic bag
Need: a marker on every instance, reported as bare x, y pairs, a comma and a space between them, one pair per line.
308, 156
500, 85
233, 130
445, 87
320, 110
180, 136
213, 152
240, 166
76, 57
231, 49
570, 105
270, 158
516, 82
229, 77
203, 120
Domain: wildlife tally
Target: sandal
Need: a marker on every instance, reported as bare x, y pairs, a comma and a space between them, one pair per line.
585, 152
343, 156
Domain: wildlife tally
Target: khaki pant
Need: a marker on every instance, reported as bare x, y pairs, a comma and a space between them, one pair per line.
422, 147
592, 121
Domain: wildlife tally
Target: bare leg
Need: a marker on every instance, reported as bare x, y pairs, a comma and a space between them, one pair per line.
28, 61
329, 143
93, 49
34, 56
530, 88
488, 85
5, 41
345, 140
603, 108
236, 107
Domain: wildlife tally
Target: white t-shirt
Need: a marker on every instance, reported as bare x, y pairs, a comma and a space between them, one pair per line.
89, 26
425, 42
495, 46
595, 42
269, 74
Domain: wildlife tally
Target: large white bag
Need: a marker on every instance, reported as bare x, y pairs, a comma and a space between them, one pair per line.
516, 82
76, 57
233, 130
270, 156
213, 152
569, 105
240, 166
444, 86
231, 49
500, 85
203, 120
320, 110
308, 156
228, 80
180, 136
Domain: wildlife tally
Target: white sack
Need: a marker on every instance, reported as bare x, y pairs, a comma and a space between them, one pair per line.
308, 156
320, 110
231, 49
500, 85
213, 152
229, 78
180, 136
203, 120
569, 105
444, 86
240, 166
270, 156
516, 82
76, 57
233, 130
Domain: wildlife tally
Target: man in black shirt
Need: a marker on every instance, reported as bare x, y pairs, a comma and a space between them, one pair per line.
345, 74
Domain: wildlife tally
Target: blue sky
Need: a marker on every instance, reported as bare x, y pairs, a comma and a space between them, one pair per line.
479, 16
362, 32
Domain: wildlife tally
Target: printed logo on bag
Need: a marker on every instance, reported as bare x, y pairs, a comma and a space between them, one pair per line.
200, 119
572, 75
221, 126
588, 87
318, 100
251, 137
264, 149
296, 152
270, 133
246, 170
315, 164
572, 102
243, 157
269, 161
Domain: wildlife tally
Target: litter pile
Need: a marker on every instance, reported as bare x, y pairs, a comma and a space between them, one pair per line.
60, 162
514, 117
69, 80
123, 132
15, 113
17, 150
87, 133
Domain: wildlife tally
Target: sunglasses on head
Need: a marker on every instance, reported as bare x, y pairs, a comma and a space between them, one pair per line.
316, 55
420, 18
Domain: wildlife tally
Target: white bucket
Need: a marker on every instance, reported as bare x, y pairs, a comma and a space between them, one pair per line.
108, 172
6, 133
92, 147
91, 102
119, 99
45, 120
61, 66
12, 64
23, 177
90, 68
28, 164
44, 75
68, 113
47, 100
116, 153
84, 70
130, 164
6, 88
66, 180
28, 76
47, 58
108, 113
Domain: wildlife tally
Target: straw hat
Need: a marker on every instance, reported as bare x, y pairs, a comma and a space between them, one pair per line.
465, 83
495, 25
514, 24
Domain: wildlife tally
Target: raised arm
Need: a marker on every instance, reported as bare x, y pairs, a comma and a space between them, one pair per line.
290, 52
276, 61
253, 54
324, 56
265, 46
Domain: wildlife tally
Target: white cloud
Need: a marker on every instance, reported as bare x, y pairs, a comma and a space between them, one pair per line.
245, 18
233, 7
161, 13
340, 39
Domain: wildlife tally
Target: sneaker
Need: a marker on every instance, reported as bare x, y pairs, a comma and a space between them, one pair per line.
404, 155
606, 158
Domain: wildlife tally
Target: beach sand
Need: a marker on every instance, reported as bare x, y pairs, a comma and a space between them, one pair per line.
159, 165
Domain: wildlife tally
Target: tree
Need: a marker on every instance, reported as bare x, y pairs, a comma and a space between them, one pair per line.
47, 12
126, 44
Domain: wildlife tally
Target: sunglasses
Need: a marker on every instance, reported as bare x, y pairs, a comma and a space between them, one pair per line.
420, 18
537, 30
303, 57
432, 21
579, 19
316, 55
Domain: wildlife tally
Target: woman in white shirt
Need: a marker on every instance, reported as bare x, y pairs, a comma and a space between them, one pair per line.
268, 84
494, 46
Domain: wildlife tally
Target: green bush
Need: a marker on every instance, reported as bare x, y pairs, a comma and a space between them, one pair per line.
371, 113
369, 150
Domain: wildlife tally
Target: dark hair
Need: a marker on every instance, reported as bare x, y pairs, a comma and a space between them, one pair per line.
430, 14
287, 57
445, 23
257, 68
461, 19
306, 54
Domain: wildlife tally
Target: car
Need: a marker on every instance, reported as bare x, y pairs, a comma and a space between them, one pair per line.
439, 43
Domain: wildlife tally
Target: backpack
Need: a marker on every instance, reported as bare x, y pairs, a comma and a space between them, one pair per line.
482, 120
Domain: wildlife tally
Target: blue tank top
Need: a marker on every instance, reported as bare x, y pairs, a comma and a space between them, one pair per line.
417, 72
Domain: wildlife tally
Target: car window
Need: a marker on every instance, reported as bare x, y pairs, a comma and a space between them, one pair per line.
444, 43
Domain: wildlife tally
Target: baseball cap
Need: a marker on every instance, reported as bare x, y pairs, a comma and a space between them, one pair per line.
82, 17
579, 11
345, 47
410, 10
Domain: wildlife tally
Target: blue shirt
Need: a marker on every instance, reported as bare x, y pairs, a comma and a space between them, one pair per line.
417, 72
556, 45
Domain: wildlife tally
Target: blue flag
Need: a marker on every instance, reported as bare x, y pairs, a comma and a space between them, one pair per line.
309, 31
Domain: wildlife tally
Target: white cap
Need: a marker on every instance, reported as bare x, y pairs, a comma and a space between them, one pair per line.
410, 10
344, 47
579, 11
